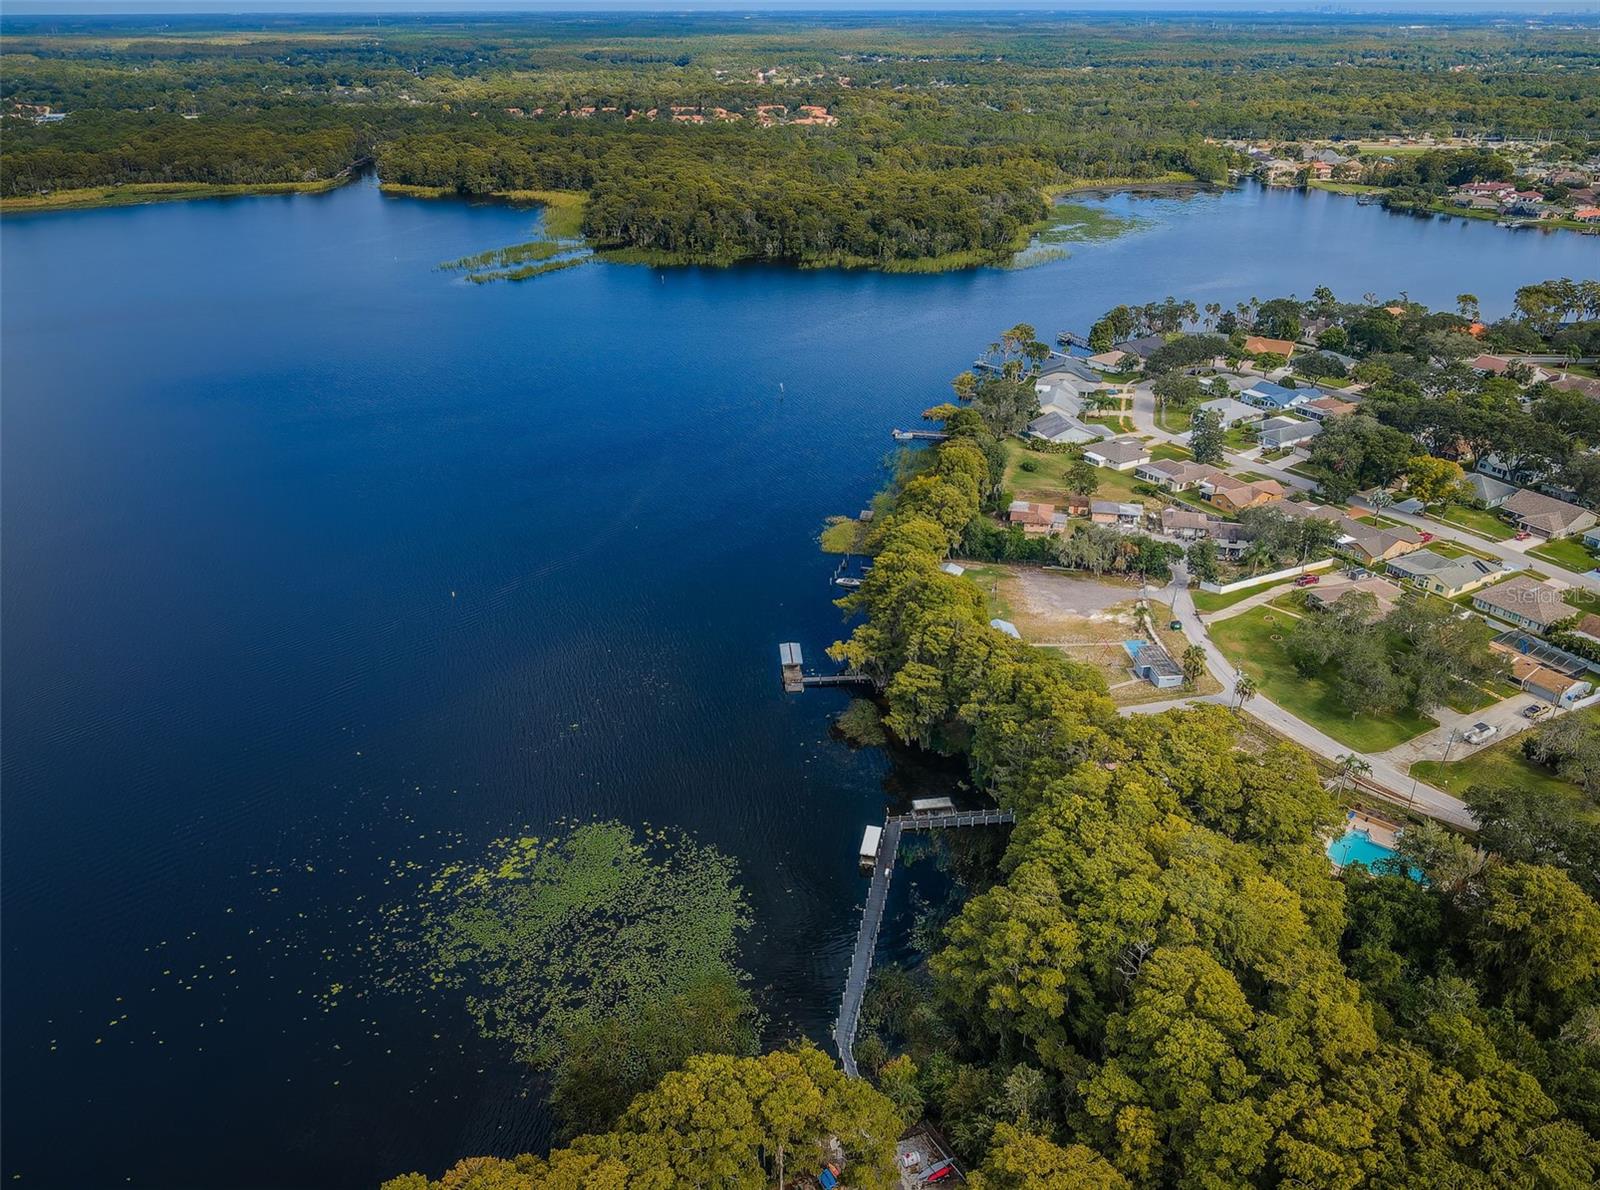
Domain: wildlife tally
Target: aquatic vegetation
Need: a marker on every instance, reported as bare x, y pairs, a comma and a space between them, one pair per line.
544, 936
510, 255
527, 271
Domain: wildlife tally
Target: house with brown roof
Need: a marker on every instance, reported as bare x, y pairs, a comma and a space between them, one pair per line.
1376, 543
1325, 407
1261, 345
1331, 589
1235, 495
1525, 602
1115, 512
1186, 524
1545, 516
1549, 684
1036, 519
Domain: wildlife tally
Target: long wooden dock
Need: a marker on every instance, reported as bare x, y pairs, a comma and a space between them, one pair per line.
855, 986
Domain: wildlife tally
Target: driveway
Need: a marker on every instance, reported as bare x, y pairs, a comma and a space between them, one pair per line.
1505, 716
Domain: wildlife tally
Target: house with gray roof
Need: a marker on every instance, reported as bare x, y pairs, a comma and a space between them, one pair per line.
1055, 426
1491, 491
1120, 454
1545, 516
1444, 576
1231, 412
1525, 602
1279, 432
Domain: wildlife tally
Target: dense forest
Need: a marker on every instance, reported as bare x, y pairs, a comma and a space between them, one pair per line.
850, 141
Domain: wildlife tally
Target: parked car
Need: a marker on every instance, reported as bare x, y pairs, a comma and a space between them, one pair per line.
1175, 625
1524, 535
939, 1172
1479, 733
1535, 710
1307, 580
1425, 536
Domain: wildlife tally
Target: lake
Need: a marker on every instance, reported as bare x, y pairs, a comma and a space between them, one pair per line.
319, 562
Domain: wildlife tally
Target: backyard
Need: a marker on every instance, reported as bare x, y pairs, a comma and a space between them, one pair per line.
1254, 641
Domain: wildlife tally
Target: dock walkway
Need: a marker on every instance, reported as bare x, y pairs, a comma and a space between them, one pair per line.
855, 987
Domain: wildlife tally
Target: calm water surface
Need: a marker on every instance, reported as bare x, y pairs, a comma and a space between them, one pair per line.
318, 561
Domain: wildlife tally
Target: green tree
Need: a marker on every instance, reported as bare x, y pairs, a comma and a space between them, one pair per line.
1206, 437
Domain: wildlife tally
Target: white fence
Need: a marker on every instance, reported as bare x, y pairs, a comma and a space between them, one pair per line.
1262, 580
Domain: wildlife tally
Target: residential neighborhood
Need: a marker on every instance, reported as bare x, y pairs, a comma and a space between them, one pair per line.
1220, 462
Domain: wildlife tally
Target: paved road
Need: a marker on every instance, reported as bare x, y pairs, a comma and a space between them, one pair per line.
1405, 789
1504, 716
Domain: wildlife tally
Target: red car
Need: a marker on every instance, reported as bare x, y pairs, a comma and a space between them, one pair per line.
1307, 580
1524, 535
1426, 536
939, 1172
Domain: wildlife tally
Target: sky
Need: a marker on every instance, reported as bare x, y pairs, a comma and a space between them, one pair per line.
1521, 8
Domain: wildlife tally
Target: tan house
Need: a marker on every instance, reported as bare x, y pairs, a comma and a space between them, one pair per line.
1236, 495
1176, 475
1545, 516
1325, 407
1525, 602
1448, 577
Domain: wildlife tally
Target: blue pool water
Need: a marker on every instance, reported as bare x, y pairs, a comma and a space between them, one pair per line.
320, 563
1356, 847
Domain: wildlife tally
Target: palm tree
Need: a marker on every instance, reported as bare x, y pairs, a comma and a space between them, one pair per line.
1352, 766
1194, 664
1244, 689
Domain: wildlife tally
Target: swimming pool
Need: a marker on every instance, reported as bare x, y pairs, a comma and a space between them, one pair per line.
1355, 846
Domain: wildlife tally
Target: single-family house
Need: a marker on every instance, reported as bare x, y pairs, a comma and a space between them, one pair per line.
1264, 394
1588, 626
1495, 467
1120, 454
1144, 346
1498, 365
1330, 590
1491, 491
1325, 407
1037, 520
1525, 602
1548, 684
1230, 412
1587, 214
1261, 345
1175, 475
1114, 512
1586, 386
1107, 361
1232, 495
1440, 575
1056, 426
1279, 432
1186, 524
1545, 516
1374, 544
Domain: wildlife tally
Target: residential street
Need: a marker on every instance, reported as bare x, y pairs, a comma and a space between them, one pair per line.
1402, 788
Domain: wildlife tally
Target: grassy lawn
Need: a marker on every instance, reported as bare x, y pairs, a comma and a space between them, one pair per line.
1238, 438
1499, 764
1482, 521
1248, 642
1045, 482
1174, 420
1114, 421
1208, 601
1567, 552
1166, 450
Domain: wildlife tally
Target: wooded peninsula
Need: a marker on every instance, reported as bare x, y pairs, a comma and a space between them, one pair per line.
933, 142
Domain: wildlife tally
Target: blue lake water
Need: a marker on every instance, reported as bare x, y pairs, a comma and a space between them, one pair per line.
318, 561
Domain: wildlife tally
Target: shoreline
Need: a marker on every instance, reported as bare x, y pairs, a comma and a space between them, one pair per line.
132, 194
1439, 207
